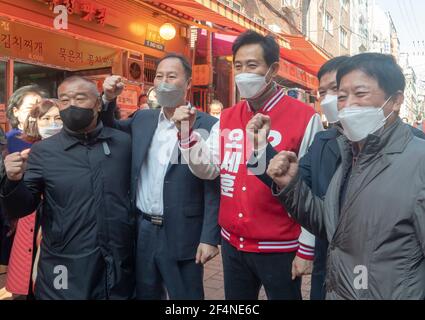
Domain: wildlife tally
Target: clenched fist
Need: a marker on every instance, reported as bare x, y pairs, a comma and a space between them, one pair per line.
283, 168
184, 118
113, 87
301, 267
15, 165
258, 129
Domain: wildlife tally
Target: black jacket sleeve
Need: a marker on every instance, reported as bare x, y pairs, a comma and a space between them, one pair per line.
22, 198
108, 118
258, 165
210, 228
305, 167
303, 205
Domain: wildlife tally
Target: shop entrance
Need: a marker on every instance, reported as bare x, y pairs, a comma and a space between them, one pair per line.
29, 74
48, 78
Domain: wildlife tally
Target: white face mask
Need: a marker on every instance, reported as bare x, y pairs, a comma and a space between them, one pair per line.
47, 132
329, 106
359, 122
251, 85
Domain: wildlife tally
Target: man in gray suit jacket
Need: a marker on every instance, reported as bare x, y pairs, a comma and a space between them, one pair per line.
178, 230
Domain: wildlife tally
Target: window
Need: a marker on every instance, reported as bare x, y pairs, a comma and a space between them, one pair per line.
236, 6
150, 65
226, 2
329, 23
259, 20
343, 37
292, 4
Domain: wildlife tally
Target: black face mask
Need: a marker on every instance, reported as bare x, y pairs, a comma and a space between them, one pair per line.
76, 118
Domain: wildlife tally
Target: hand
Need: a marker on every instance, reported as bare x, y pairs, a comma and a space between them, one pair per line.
113, 87
283, 168
12, 228
183, 117
15, 165
205, 253
301, 267
258, 129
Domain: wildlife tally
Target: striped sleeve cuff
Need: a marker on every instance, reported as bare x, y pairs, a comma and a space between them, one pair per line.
305, 252
188, 142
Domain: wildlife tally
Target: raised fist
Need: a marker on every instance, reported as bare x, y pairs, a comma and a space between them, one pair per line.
258, 129
15, 165
113, 87
283, 168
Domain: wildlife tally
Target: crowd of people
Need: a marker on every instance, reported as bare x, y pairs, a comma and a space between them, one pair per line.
95, 207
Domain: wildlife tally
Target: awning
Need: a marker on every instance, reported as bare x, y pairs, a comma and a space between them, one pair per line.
295, 74
304, 53
221, 44
227, 19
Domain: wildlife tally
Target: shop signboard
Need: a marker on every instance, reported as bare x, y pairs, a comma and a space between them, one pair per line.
20, 41
295, 74
153, 39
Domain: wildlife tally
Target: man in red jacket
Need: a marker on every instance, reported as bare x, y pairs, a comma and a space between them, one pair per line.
262, 244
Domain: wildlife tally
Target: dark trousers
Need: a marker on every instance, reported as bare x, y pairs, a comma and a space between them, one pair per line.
245, 272
157, 273
318, 289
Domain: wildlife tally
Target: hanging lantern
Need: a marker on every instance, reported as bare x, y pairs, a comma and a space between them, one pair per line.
167, 31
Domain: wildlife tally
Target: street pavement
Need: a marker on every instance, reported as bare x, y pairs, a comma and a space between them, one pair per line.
213, 282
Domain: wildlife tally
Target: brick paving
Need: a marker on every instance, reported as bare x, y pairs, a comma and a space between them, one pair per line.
214, 285
213, 282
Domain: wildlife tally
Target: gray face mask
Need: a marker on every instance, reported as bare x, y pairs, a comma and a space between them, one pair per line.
169, 95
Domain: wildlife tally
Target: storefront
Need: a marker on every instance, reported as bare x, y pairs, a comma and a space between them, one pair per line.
101, 38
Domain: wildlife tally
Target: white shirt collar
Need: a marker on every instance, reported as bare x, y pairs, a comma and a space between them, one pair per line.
163, 119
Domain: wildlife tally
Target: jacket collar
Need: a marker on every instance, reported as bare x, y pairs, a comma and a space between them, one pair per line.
392, 140
70, 138
330, 134
374, 158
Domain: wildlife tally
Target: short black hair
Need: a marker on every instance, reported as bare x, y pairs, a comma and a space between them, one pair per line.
381, 67
17, 99
332, 65
268, 43
185, 63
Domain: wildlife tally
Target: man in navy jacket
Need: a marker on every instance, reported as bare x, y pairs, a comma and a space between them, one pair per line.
177, 212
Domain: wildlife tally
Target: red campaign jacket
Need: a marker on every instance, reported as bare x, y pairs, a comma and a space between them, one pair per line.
21, 257
252, 220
